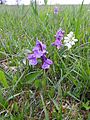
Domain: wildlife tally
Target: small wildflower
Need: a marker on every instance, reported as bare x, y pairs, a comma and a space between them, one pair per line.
46, 62
56, 10
70, 40
39, 49
59, 36
57, 43
32, 59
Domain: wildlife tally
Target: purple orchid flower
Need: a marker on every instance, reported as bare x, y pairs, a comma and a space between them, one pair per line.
32, 59
39, 49
59, 36
56, 10
57, 43
46, 62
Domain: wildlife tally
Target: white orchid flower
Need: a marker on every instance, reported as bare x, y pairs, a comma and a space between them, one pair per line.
70, 40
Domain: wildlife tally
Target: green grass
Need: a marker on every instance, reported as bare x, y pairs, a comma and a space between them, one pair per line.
29, 93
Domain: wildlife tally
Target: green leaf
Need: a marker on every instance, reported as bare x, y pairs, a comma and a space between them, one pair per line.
73, 96
88, 116
44, 107
51, 92
32, 76
3, 102
45, 2
37, 83
56, 104
44, 83
3, 79
86, 105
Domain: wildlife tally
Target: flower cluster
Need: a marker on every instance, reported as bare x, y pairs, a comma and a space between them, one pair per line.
70, 40
39, 51
56, 10
59, 37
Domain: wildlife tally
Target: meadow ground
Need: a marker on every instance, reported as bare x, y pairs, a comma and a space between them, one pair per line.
30, 93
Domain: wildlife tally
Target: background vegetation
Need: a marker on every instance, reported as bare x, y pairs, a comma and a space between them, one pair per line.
29, 93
